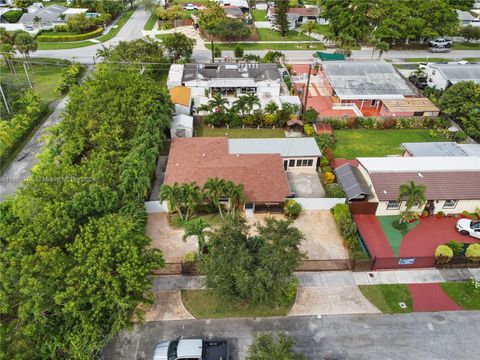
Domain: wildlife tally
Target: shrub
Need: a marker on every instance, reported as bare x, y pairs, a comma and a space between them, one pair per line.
329, 177
310, 116
473, 252
347, 227
353, 123
367, 123
440, 214
341, 210
69, 78
60, 28
324, 141
388, 124
238, 52
443, 251
329, 155
326, 169
13, 16
217, 52
308, 129
190, 257
334, 191
55, 38
292, 209
324, 161
456, 247
269, 119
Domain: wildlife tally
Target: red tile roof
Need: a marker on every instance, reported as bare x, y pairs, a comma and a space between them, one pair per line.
441, 185
301, 11
321, 128
198, 159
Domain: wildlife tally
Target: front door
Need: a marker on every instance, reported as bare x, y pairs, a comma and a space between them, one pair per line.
285, 164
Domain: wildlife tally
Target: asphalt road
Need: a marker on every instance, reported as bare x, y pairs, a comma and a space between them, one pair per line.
425, 336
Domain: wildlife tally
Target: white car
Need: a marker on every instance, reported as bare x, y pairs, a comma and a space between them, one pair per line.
469, 227
190, 7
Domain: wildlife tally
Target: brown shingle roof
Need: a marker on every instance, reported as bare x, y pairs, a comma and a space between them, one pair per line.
198, 159
440, 185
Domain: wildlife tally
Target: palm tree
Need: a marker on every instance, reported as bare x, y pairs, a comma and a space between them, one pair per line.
173, 196
414, 195
5, 134
103, 52
251, 100
308, 28
192, 196
240, 105
36, 21
236, 195
196, 228
271, 107
8, 53
217, 103
25, 44
214, 189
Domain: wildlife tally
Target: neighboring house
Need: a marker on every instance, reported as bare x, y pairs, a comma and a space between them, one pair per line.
259, 164
372, 88
240, 3
230, 80
421, 149
181, 97
441, 76
34, 7
50, 17
182, 126
234, 12
298, 16
452, 183
466, 18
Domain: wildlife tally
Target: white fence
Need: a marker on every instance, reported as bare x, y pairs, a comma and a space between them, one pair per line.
156, 207
319, 203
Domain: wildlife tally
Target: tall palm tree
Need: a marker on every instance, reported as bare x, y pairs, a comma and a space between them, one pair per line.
240, 105
214, 189
413, 193
236, 195
197, 228
7, 51
218, 103
25, 44
251, 100
271, 107
192, 196
172, 195
36, 21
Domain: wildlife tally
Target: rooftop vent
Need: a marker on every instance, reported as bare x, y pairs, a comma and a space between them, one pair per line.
420, 175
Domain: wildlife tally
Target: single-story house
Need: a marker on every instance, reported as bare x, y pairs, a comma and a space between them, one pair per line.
34, 7
50, 17
182, 126
452, 182
371, 88
446, 148
234, 12
441, 76
298, 16
261, 165
466, 18
181, 97
240, 3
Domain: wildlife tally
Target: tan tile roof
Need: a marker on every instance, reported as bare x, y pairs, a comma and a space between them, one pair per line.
181, 95
198, 159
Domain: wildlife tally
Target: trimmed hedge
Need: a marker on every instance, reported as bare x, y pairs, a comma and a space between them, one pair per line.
71, 38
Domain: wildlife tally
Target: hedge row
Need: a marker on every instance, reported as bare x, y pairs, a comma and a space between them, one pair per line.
89, 35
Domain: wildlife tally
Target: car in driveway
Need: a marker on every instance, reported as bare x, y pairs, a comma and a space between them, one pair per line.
469, 227
190, 7
439, 49
440, 42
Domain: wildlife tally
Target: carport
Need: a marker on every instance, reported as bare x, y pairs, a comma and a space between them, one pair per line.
305, 185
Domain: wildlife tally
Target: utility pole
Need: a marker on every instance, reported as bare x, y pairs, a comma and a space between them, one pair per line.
306, 92
4, 100
28, 77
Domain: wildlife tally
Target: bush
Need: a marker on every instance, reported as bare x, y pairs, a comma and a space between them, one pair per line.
325, 141
324, 161
334, 191
440, 214
473, 252
238, 52
13, 16
217, 52
329, 177
292, 209
190, 257
55, 38
69, 78
443, 251
329, 155
308, 129
347, 227
456, 247
310, 116
60, 28
326, 169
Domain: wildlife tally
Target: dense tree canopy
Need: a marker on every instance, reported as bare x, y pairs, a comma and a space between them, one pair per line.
73, 256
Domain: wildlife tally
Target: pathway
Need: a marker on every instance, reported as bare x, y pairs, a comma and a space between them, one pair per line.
431, 297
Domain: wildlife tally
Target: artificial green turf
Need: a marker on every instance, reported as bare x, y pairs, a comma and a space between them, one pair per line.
259, 15
150, 22
241, 133
272, 35
357, 143
393, 235
386, 298
463, 293
270, 46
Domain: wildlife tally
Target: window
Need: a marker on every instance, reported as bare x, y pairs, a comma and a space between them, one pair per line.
299, 162
450, 204
373, 103
393, 205
310, 162
304, 162
291, 163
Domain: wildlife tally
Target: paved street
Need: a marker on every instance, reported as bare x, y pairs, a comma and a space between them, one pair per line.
435, 336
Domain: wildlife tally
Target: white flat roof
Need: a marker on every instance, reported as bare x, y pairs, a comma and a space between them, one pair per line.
410, 164
286, 147
182, 120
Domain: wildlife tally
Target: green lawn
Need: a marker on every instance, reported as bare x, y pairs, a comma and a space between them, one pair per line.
474, 59
393, 235
63, 45
323, 29
203, 304
241, 133
466, 46
427, 59
270, 46
271, 35
387, 297
356, 143
151, 22
259, 15
463, 293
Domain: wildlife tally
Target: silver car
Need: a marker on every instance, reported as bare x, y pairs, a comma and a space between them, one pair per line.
440, 49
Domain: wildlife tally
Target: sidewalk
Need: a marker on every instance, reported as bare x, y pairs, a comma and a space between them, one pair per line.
336, 278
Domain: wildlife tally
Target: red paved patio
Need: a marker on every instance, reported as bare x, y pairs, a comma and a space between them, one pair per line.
423, 239
373, 235
431, 297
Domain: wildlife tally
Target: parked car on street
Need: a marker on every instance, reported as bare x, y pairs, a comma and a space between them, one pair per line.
469, 227
190, 7
440, 49
192, 349
440, 42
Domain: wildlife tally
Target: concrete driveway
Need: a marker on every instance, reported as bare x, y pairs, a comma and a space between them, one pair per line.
190, 32
306, 185
326, 300
168, 306
168, 239
428, 336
